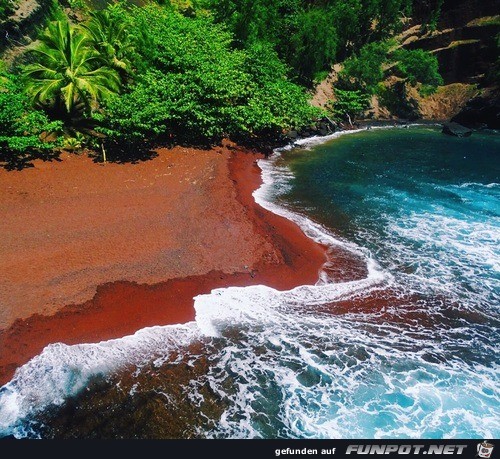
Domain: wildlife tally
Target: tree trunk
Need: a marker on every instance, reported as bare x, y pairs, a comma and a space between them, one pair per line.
103, 152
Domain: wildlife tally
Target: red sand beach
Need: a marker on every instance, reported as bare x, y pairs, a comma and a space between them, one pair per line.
93, 251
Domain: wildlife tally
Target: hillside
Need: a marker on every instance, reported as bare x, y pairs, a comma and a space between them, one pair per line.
465, 43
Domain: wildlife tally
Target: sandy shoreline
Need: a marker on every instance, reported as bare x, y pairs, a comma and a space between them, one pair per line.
93, 252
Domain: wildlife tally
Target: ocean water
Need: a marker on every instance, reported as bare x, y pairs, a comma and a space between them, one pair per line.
407, 350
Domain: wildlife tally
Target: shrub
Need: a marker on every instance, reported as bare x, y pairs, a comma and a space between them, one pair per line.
349, 104
21, 127
309, 35
364, 71
418, 66
313, 46
6, 9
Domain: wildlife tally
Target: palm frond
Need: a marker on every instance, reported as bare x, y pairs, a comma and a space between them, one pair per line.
70, 71
68, 93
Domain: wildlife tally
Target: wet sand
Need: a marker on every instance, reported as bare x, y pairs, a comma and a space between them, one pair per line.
92, 252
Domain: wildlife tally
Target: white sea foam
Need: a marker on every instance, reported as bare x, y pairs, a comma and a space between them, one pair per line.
310, 142
458, 244
62, 371
313, 141
272, 178
479, 185
332, 378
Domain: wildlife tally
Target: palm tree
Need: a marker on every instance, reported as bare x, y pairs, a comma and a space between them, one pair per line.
109, 35
68, 73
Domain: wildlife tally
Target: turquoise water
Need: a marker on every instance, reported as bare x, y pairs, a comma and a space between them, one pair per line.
425, 204
404, 347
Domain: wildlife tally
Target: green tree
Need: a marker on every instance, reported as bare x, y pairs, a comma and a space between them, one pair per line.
365, 70
418, 66
389, 16
199, 88
313, 46
68, 75
310, 35
349, 104
274, 103
304, 33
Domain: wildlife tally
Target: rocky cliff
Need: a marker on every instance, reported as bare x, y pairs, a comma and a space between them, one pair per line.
465, 41
24, 24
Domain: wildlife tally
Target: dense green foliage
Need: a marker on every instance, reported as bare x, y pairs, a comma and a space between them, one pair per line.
21, 127
6, 8
349, 104
198, 87
197, 70
418, 66
364, 73
109, 36
310, 34
313, 46
365, 70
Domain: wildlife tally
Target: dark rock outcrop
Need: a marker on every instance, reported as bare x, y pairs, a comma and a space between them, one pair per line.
292, 135
465, 62
465, 54
465, 39
481, 111
456, 130
454, 13
24, 24
322, 127
457, 12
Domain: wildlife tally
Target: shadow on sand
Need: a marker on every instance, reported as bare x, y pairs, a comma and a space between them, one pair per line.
12, 162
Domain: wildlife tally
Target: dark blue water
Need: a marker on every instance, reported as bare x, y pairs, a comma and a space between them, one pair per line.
406, 347
425, 204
